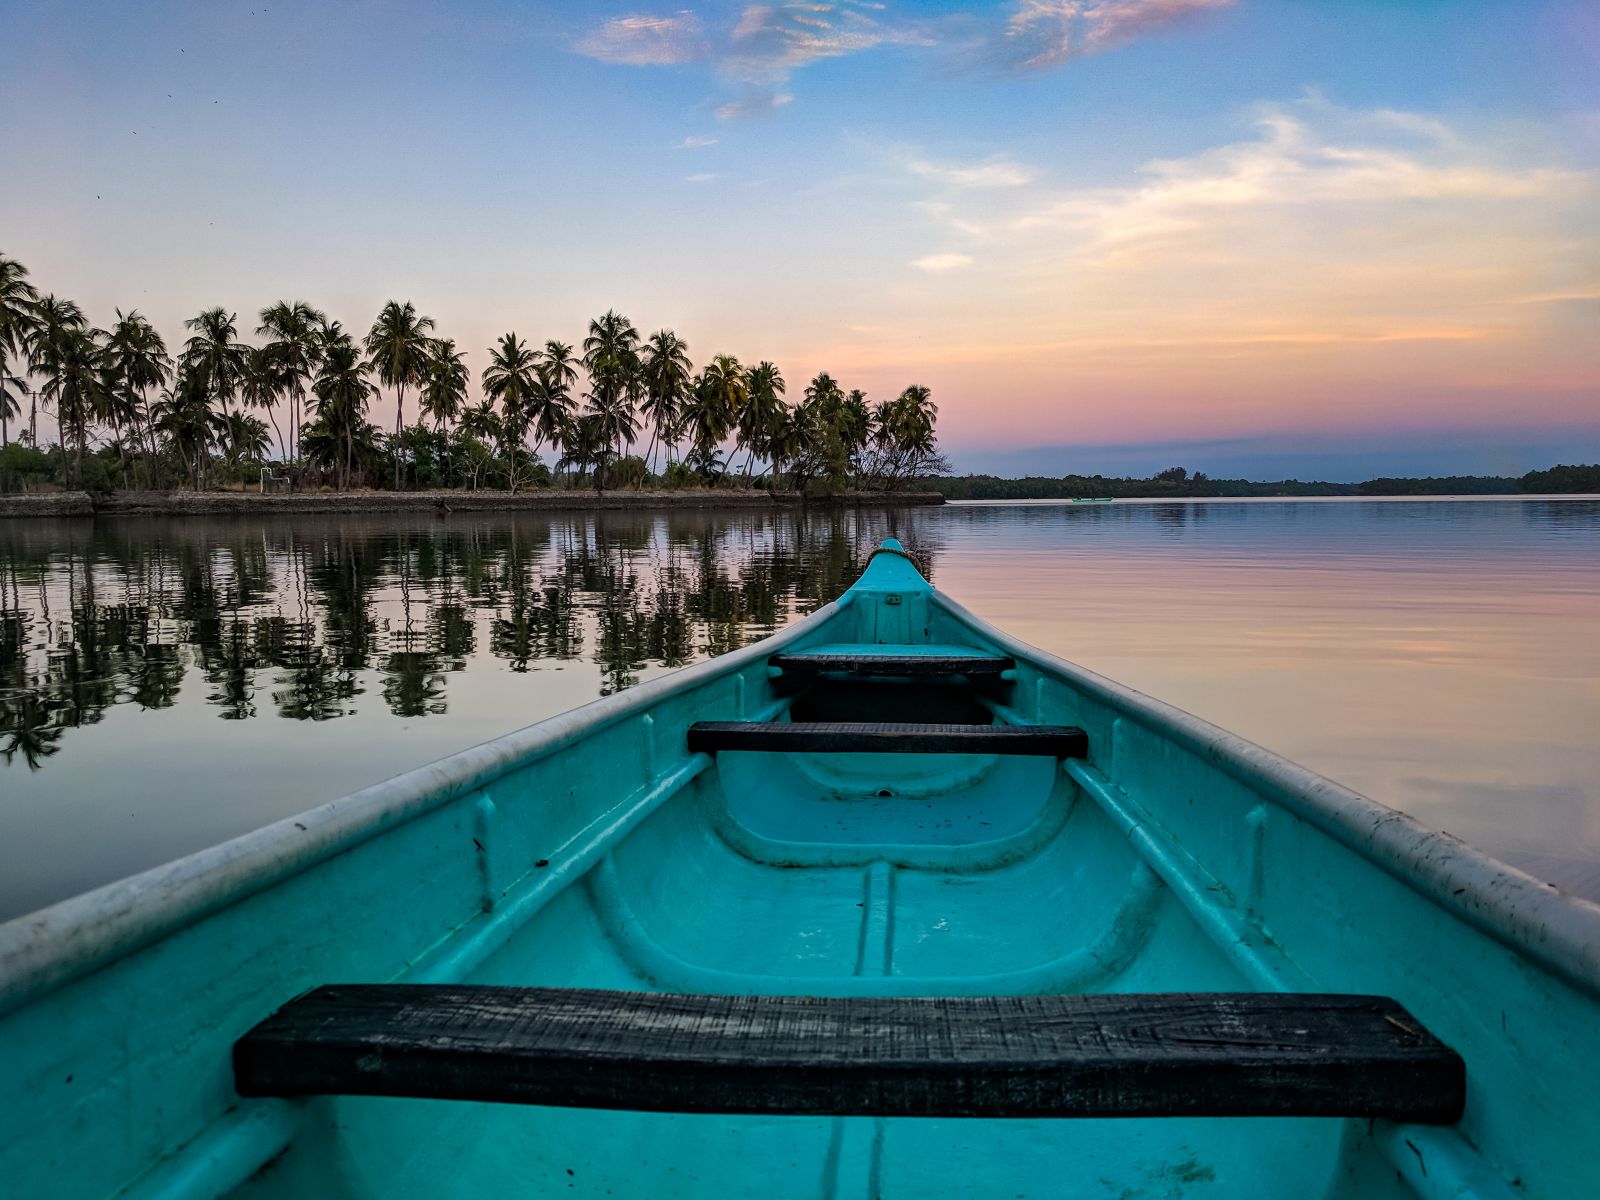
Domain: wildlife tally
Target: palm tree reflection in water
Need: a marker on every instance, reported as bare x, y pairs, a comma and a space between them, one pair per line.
317, 619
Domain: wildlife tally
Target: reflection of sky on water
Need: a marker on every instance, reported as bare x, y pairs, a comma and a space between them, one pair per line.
1441, 657
176, 683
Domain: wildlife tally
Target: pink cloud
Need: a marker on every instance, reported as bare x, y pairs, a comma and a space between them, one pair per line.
1047, 33
646, 41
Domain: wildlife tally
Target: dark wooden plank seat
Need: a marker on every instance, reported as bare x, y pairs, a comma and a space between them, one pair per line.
914, 666
849, 737
1213, 1055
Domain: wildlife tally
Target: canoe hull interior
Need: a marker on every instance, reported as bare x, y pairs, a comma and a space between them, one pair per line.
596, 851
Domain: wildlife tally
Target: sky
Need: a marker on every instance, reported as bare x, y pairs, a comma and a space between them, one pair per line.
1268, 238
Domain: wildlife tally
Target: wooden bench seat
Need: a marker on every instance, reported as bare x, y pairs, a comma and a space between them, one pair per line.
854, 737
1213, 1055
914, 666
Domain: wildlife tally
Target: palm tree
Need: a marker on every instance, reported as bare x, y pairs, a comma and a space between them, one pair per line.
444, 385
560, 364
215, 354
293, 328
141, 362
342, 392
719, 398
11, 388
263, 383
853, 420
244, 438
824, 391
444, 389
329, 334
788, 438
77, 380
481, 421
913, 416
903, 434
613, 422
18, 319
54, 320
762, 410
512, 377
184, 417
667, 374
553, 406
611, 356
585, 444
398, 345
479, 429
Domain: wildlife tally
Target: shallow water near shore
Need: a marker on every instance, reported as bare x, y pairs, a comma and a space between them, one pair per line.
166, 684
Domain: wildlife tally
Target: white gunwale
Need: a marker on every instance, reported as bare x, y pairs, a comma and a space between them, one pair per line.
1559, 931
43, 950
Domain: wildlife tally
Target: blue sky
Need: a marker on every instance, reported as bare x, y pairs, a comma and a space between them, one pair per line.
1356, 235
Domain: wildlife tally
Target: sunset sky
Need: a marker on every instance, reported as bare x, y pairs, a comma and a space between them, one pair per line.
1267, 238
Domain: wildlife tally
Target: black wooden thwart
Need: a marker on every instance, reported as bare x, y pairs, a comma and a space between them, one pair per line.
1201, 1055
843, 737
920, 666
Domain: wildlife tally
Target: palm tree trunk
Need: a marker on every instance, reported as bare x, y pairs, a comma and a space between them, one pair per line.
272, 413
399, 409
122, 452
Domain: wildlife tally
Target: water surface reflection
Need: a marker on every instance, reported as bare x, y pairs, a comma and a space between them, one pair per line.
165, 684
341, 650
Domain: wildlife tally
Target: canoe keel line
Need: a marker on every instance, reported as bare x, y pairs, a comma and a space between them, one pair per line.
783, 924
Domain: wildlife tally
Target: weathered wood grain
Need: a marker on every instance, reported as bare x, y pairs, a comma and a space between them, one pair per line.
1221, 1054
840, 737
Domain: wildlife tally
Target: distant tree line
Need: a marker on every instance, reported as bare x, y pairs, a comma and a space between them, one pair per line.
132, 413
1177, 483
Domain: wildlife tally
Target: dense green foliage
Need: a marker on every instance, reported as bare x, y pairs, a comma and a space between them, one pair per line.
1443, 485
1563, 479
191, 419
1177, 484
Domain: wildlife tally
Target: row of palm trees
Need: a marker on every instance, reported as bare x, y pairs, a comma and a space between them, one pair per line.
181, 408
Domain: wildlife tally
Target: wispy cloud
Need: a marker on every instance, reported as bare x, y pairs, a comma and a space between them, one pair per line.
701, 177
1585, 296
647, 41
936, 264
1311, 155
1383, 235
1047, 33
772, 41
695, 143
991, 173
753, 104
760, 51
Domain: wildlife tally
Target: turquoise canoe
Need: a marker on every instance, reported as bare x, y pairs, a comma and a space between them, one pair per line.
888, 905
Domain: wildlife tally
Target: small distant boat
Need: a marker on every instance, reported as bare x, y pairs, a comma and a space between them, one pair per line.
782, 925
1093, 499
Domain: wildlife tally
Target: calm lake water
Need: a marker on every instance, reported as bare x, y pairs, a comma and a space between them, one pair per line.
167, 684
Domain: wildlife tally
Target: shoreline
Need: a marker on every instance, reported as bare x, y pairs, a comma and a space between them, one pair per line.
213, 504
